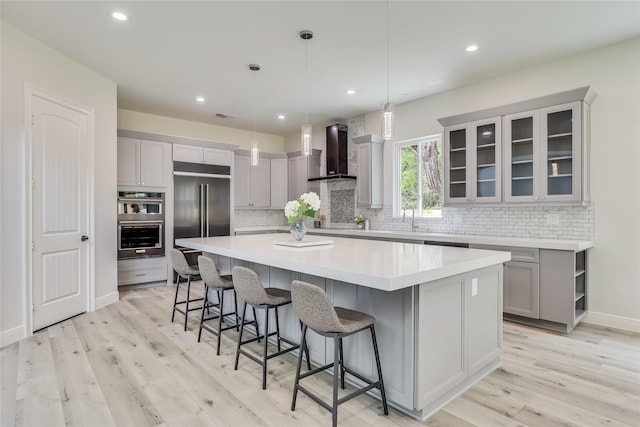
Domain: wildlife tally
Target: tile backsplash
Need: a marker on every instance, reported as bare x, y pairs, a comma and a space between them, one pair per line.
531, 221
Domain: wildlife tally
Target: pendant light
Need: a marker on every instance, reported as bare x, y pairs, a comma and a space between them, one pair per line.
388, 113
255, 151
306, 35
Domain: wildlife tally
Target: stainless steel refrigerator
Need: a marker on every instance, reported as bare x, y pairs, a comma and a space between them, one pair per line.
202, 200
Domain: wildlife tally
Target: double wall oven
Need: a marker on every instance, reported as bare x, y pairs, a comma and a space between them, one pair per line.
140, 224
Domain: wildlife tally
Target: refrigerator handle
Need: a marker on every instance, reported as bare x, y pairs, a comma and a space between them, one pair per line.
202, 209
207, 210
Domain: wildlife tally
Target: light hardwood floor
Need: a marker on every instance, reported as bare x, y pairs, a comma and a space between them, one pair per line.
128, 365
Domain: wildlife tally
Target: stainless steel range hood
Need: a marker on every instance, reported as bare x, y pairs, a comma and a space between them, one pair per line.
336, 154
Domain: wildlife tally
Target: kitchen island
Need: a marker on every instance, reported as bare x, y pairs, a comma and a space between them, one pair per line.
438, 309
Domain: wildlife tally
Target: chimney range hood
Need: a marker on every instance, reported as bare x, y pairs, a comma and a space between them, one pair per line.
336, 154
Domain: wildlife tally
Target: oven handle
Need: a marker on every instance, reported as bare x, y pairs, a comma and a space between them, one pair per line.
142, 200
141, 222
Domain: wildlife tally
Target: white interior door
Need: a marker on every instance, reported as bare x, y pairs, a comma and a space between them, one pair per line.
60, 211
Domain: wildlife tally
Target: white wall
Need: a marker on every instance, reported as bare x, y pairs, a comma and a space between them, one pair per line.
26, 60
614, 72
143, 122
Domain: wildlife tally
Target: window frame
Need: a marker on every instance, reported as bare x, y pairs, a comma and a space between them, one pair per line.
397, 168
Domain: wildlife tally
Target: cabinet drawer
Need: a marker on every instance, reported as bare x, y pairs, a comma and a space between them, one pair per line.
143, 270
142, 276
517, 254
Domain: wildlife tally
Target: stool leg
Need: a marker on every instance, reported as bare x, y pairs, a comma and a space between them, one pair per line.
336, 358
186, 310
175, 299
266, 342
221, 299
297, 380
342, 370
205, 304
304, 348
277, 328
375, 350
235, 304
255, 318
244, 311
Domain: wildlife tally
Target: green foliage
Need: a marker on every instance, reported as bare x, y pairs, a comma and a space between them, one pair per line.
410, 184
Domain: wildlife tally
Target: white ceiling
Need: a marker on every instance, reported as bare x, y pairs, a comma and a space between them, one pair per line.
169, 52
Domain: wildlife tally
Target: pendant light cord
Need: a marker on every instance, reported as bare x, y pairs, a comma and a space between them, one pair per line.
306, 80
387, 51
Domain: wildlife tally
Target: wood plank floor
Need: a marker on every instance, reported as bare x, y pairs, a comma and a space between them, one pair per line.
128, 365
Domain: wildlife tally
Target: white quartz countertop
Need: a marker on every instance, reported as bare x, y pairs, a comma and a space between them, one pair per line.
557, 244
376, 264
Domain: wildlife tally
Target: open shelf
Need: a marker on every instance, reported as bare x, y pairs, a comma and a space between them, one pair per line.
521, 141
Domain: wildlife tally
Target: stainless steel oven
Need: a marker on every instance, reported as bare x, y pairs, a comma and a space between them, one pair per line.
140, 224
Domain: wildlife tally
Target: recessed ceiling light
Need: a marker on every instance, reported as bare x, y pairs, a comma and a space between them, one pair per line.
281, 116
472, 48
200, 99
351, 92
119, 16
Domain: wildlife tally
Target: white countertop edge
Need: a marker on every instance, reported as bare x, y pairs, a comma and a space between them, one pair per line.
557, 244
375, 282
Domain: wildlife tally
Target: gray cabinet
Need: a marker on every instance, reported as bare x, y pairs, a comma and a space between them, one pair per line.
470, 337
300, 169
544, 287
279, 183
472, 157
252, 184
143, 163
369, 150
142, 270
563, 286
206, 155
522, 289
543, 154
540, 151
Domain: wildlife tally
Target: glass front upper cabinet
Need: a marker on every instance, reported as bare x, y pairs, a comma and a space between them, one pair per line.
487, 169
472, 162
560, 132
542, 154
456, 143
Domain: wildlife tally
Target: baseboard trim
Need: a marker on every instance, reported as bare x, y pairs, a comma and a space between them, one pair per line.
105, 300
612, 321
12, 335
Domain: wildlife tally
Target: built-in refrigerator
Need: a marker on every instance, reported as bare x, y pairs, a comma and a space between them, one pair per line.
202, 200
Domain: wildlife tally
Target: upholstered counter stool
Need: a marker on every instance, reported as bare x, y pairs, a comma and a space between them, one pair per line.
316, 312
187, 272
219, 284
249, 288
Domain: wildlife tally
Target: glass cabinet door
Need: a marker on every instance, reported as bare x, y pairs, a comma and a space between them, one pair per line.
560, 135
456, 147
487, 161
521, 157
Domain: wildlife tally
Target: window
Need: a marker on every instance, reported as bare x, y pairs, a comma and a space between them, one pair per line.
418, 188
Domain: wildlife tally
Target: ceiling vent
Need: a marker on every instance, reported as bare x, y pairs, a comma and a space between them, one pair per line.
225, 116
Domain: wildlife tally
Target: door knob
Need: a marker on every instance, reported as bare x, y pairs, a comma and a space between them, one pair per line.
84, 238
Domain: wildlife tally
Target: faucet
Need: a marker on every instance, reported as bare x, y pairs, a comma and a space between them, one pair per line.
414, 226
